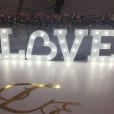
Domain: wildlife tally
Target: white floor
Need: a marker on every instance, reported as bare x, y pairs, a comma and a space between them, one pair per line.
91, 84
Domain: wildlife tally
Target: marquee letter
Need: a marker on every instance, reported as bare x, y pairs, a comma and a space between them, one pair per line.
96, 45
47, 43
61, 35
5, 47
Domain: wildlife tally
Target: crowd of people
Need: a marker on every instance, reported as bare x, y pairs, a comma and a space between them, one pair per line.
47, 20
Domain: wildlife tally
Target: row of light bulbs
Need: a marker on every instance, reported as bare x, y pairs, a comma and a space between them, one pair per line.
77, 41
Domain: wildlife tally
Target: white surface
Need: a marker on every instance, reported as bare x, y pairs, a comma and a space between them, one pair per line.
91, 84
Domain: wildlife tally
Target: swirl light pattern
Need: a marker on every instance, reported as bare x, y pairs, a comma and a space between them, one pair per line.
61, 106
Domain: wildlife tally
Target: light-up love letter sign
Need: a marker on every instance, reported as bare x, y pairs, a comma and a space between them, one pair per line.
5, 47
61, 35
97, 45
47, 43
68, 55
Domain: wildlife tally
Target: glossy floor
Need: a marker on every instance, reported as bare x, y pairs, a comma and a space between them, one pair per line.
91, 84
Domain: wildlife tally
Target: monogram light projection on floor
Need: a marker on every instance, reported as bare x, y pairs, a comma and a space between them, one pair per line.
59, 106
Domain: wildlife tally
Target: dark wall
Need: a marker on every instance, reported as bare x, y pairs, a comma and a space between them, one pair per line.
70, 6
89, 6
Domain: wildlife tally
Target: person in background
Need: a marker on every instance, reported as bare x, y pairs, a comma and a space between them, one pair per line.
58, 6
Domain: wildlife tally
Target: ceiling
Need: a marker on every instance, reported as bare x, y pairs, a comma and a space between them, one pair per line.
71, 6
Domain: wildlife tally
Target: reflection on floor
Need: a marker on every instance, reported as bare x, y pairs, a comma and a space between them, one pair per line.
91, 84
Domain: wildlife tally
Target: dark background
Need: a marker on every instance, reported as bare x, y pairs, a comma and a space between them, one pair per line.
70, 6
